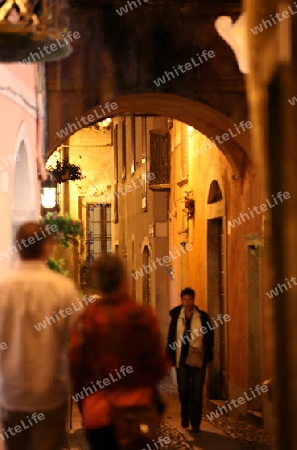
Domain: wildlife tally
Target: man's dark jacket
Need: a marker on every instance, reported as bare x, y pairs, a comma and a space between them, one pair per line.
207, 338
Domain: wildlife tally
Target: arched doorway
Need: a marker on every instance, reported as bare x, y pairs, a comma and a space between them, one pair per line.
21, 186
23, 207
216, 299
146, 283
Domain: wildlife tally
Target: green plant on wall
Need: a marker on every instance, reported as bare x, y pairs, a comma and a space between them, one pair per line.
65, 171
189, 208
67, 228
57, 265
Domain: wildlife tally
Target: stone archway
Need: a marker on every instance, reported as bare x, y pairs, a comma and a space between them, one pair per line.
207, 120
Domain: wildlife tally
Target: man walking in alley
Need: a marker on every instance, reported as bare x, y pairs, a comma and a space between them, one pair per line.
33, 367
189, 351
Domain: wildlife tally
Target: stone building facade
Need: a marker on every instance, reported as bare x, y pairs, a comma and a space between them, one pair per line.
218, 248
146, 171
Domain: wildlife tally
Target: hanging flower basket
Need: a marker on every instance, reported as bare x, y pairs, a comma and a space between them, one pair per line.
65, 171
65, 177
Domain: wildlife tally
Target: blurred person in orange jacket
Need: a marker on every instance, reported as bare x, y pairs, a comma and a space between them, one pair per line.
115, 353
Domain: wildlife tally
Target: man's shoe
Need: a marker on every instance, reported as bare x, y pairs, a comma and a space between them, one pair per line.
185, 423
196, 429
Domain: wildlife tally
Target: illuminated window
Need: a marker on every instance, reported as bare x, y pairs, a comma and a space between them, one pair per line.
184, 152
99, 227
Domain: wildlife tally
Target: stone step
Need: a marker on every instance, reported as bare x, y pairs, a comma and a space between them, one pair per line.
255, 417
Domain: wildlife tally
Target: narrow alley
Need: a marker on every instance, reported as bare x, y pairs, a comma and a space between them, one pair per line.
226, 434
147, 195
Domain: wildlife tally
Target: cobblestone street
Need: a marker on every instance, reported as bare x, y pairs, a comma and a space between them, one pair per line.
225, 433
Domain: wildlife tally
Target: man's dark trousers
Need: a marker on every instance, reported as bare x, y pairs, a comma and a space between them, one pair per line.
190, 381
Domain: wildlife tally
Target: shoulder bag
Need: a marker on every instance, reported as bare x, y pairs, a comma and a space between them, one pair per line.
195, 357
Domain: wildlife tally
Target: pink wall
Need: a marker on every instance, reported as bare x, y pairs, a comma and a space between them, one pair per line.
19, 186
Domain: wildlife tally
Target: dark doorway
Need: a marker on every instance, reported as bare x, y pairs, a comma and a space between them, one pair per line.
254, 317
133, 287
216, 305
146, 286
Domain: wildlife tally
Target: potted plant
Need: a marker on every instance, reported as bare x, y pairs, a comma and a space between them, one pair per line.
65, 171
189, 206
67, 228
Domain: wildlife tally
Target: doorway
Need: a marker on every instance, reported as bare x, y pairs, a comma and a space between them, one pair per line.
133, 287
146, 286
254, 318
23, 202
216, 305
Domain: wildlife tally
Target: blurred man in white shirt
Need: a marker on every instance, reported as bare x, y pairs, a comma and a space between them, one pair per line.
34, 383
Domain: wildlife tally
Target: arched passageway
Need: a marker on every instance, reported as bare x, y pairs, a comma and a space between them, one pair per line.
200, 116
164, 246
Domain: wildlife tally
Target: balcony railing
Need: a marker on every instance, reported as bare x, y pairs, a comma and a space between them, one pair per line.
26, 25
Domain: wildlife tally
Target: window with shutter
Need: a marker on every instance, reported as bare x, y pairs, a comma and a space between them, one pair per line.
133, 150
124, 152
160, 159
184, 152
116, 172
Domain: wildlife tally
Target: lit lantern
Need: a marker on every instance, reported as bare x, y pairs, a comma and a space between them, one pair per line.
49, 193
34, 31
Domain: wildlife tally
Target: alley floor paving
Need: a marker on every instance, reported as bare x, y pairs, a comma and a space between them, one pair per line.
209, 438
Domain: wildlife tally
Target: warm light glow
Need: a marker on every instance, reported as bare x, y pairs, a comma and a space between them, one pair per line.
235, 34
104, 124
55, 156
48, 197
190, 130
